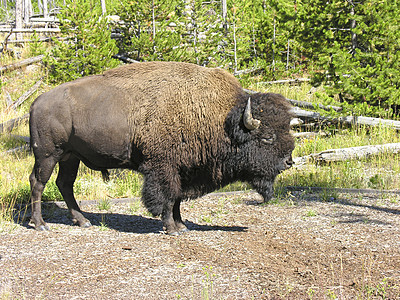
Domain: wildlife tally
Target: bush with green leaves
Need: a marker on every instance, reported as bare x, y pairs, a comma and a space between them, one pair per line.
86, 46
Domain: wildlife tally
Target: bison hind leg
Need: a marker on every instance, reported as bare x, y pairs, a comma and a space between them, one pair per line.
40, 175
68, 170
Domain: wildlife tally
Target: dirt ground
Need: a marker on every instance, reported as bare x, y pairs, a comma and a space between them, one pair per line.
303, 246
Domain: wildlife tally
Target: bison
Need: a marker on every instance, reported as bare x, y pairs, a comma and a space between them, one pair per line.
188, 129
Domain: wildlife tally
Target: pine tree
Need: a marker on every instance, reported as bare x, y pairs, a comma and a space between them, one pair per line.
361, 64
87, 47
276, 40
151, 30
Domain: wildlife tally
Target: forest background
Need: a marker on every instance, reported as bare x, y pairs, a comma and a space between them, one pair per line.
352, 48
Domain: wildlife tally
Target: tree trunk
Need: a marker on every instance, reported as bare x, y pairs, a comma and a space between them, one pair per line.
353, 26
103, 7
18, 17
45, 9
40, 6
27, 11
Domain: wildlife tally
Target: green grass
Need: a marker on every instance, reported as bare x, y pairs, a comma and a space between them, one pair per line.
377, 172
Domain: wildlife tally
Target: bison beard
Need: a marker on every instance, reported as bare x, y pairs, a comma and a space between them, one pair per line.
189, 130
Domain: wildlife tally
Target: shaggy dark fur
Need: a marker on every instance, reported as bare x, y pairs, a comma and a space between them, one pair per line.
178, 124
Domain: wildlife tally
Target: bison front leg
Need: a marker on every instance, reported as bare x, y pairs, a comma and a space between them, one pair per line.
168, 220
162, 200
265, 187
177, 217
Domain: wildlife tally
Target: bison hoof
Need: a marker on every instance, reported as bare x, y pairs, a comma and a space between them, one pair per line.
174, 233
86, 225
42, 228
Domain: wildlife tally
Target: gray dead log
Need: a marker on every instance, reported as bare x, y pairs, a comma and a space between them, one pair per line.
308, 134
350, 120
26, 139
292, 81
31, 30
11, 124
46, 39
27, 94
247, 71
309, 105
306, 114
45, 20
334, 155
295, 122
18, 149
21, 63
125, 59
8, 100
354, 120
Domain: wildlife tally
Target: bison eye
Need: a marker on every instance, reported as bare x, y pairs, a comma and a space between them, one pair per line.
269, 139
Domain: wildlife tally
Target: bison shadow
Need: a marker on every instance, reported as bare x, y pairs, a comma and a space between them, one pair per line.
55, 214
351, 217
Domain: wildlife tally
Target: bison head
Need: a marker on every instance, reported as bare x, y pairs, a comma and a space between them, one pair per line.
261, 142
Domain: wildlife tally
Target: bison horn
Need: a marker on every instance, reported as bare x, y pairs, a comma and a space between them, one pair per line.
248, 120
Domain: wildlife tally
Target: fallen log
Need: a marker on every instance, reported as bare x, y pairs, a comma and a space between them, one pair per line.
125, 59
11, 124
354, 120
21, 63
26, 139
9, 101
27, 94
18, 149
343, 154
247, 71
350, 120
46, 39
309, 134
310, 105
283, 81
296, 122
32, 30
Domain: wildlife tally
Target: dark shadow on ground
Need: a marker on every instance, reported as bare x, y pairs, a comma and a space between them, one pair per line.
343, 201
315, 196
54, 214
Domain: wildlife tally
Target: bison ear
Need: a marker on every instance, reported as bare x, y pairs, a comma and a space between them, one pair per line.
248, 119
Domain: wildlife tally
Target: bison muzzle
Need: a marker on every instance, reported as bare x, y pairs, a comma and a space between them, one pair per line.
188, 129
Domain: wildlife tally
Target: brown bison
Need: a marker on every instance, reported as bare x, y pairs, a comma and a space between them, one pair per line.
188, 129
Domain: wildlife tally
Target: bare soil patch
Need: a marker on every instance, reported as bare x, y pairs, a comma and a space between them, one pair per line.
299, 247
